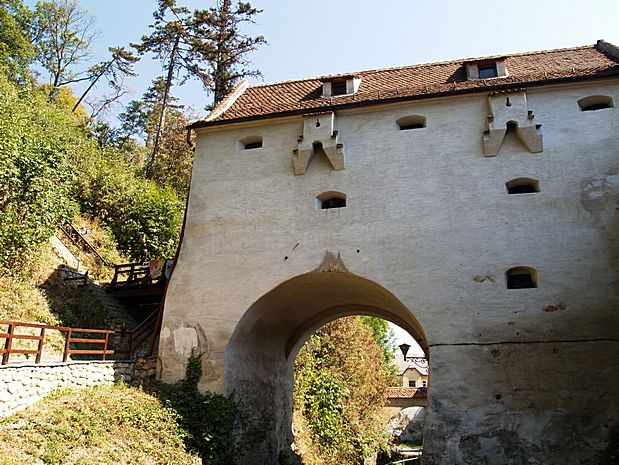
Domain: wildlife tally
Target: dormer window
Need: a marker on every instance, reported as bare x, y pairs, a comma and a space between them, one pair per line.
487, 69
341, 85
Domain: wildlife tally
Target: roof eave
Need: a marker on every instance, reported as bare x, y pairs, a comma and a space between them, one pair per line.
382, 101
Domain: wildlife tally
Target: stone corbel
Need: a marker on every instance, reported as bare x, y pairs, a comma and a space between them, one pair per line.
511, 108
318, 136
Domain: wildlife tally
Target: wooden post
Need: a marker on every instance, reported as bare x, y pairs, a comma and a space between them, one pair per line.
40, 349
107, 337
7, 345
66, 346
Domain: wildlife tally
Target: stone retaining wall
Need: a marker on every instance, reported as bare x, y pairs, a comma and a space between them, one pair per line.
24, 384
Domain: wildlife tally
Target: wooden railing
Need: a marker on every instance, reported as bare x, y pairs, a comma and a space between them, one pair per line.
138, 273
11, 335
131, 273
81, 242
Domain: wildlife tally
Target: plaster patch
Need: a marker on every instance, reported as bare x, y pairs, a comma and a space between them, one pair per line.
185, 340
597, 192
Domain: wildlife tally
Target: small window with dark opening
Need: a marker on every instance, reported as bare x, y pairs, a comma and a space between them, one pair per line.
253, 145
338, 87
331, 199
522, 186
487, 70
595, 102
335, 202
411, 383
411, 122
521, 277
250, 142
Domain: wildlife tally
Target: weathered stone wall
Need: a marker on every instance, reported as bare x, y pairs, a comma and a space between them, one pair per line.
24, 384
429, 220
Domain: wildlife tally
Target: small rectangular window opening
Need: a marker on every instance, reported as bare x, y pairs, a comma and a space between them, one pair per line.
338, 87
253, 145
411, 383
522, 189
520, 281
334, 202
487, 71
405, 127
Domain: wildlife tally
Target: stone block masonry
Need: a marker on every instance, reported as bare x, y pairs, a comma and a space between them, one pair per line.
24, 384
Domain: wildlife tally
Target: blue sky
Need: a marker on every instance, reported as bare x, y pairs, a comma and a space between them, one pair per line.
313, 38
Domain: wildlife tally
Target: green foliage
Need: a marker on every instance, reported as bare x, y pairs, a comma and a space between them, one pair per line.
384, 338
16, 51
207, 419
144, 218
35, 178
173, 165
50, 165
224, 46
340, 380
63, 33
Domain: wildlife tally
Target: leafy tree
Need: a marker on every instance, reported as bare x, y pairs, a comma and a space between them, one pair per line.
207, 45
340, 380
16, 51
384, 337
64, 33
35, 187
227, 45
173, 166
172, 41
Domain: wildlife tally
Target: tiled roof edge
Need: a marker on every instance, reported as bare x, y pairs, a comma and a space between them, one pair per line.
228, 101
384, 101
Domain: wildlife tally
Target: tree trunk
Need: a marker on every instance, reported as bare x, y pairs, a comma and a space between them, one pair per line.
92, 84
168, 84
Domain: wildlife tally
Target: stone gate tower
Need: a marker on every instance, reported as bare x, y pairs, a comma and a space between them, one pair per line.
473, 203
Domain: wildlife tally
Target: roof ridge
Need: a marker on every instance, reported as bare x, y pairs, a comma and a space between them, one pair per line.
419, 65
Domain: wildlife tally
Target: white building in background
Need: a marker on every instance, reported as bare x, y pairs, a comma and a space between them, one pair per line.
471, 202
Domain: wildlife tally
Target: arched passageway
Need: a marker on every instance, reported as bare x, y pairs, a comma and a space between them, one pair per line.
259, 359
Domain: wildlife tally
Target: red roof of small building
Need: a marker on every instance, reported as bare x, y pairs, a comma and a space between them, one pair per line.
405, 392
415, 82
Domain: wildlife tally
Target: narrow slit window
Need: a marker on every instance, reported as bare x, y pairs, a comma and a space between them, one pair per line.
411, 122
328, 200
521, 277
250, 142
595, 102
522, 186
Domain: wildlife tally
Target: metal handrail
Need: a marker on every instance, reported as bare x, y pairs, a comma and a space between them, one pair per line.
142, 331
73, 231
11, 335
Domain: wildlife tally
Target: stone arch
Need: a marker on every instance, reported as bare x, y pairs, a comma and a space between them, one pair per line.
259, 358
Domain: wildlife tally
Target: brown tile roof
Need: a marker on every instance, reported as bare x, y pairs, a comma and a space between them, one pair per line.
405, 392
415, 82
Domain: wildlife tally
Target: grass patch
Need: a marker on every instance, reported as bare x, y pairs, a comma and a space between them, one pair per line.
104, 425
